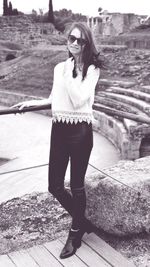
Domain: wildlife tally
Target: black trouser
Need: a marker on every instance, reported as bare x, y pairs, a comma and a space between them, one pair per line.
74, 142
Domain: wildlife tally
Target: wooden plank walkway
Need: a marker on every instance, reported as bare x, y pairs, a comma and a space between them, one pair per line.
94, 252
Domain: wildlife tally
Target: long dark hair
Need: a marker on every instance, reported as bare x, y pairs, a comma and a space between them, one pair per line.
90, 55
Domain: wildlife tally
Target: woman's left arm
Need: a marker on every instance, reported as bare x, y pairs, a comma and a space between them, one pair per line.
80, 91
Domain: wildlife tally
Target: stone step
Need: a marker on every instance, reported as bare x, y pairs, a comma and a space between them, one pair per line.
112, 103
108, 82
145, 89
129, 92
110, 47
130, 125
127, 124
140, 104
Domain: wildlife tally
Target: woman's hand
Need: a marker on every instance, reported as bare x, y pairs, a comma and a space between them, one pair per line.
30, 103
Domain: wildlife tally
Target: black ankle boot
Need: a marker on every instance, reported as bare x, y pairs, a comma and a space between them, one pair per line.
74, 239
73, 242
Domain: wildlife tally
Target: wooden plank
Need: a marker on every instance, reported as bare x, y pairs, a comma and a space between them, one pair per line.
6, 261
106, 251
42, 257
22, 259
55, 248
89, 256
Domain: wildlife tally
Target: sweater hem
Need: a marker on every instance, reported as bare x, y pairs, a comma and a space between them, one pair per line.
72, 118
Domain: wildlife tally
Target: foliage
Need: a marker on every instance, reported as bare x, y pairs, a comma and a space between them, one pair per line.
60, 24
60, 18
34, 16
5, 7
50, 12
100, 10
8, 9
64, 17
64, 14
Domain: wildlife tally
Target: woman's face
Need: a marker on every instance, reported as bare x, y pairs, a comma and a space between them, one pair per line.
76, 42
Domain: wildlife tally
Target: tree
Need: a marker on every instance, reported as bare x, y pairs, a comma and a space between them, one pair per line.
10, 9
100, 10
5, 8
34, 12
41, 13
15, 12
50, 12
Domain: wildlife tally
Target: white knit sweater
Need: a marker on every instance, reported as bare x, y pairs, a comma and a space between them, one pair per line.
72, 98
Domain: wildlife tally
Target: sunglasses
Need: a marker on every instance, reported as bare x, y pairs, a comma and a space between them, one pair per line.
80, 41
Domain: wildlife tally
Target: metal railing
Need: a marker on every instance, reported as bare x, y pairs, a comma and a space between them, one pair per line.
26, 109
99, 107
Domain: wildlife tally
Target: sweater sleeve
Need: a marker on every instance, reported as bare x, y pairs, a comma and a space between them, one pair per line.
56, 79
80, 91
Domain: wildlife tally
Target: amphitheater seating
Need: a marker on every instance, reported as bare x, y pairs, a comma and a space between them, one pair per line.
124, 133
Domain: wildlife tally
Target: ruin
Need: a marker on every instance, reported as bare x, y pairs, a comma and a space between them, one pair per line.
21, 29
130, 137
113, 24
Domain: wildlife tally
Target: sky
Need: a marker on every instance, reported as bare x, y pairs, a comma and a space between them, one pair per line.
86, 7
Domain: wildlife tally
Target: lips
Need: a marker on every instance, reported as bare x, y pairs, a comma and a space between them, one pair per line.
74, 47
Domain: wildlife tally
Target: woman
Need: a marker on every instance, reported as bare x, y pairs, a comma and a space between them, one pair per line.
72, 98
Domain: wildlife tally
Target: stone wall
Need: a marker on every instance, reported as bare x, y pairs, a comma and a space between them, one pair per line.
23, 30
113, 24
116, 132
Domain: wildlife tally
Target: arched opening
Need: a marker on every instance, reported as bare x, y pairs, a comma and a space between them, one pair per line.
145, 147
10, 57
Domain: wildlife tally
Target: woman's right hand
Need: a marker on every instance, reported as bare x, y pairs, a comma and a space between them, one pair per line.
25, 104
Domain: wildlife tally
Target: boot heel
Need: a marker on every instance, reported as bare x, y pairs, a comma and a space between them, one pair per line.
88, 227
89, 231
78, 244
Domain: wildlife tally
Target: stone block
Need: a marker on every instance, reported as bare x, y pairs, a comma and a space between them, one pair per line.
121, 207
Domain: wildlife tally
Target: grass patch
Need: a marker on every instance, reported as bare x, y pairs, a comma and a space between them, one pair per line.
33, 73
